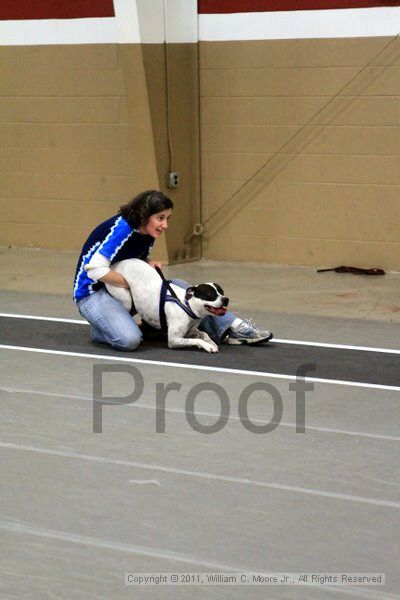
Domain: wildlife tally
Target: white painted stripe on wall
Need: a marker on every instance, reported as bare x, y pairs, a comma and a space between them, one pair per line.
172, 20
338, 23
153, 21
182, 22
121, 29
60, 31
135, 22
126, 17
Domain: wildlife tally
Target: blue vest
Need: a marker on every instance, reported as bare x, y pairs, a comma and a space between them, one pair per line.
116, 240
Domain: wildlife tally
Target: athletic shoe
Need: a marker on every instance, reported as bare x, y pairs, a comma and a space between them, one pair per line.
248, 333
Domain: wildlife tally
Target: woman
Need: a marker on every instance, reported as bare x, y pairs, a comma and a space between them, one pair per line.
131, 234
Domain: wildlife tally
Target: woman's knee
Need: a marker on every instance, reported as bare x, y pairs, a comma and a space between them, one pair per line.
128, 341
181, 283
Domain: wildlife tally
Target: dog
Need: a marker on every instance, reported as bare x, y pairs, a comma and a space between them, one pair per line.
147, 293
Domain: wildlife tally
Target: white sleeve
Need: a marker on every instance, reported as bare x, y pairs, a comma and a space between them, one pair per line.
97, 267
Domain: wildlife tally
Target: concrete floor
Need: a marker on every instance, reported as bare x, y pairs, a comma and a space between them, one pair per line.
79, 510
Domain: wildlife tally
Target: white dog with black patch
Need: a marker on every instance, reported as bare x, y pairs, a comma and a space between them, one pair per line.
179, 311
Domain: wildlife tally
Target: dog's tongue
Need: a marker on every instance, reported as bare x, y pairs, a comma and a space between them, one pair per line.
217, 311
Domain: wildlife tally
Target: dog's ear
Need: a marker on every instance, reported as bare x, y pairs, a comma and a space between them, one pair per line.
189, 293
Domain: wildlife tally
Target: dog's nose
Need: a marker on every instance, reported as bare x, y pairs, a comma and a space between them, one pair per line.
225, 301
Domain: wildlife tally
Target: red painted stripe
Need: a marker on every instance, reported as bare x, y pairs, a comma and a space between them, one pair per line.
241, 6
15, 10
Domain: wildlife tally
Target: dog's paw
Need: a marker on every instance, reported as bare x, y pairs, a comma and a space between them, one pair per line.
210, 347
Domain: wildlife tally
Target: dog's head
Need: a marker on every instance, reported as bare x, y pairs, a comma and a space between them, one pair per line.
207, 298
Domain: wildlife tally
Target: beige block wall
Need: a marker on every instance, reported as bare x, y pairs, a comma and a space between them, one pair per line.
173, 71
76, 141
84, 128
331, 196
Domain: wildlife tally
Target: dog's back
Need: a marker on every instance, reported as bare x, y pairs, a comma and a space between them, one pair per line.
145, 287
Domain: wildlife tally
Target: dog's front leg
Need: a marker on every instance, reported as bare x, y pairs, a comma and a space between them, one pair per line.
180, 342
197, 333
176, 340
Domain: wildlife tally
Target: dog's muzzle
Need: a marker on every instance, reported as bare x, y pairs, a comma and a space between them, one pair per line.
218, 310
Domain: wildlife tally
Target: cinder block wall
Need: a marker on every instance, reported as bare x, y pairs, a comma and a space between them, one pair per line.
332, 196
69, 152
83, 126
181, 151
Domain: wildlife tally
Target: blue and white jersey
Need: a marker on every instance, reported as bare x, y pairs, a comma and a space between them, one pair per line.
115, 240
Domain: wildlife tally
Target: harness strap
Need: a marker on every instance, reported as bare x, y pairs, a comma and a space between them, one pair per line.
166, 282
132, 312
185, 307
164, 297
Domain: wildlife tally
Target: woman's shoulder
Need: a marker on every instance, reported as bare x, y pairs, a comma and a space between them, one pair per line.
118, 221
115, 224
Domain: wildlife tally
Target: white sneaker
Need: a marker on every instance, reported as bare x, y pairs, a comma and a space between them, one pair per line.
248, 333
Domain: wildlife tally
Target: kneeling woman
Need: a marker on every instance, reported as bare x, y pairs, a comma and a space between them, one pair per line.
131, 234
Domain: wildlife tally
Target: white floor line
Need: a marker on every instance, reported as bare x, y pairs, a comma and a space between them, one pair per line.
206, 414
112, 545
36, 318
203, 475
159, 553
337, 346
158, 363
275, 340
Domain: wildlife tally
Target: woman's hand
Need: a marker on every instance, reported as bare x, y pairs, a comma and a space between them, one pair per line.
114, 278
155, 263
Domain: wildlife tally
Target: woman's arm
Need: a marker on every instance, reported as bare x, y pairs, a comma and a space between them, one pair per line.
114, 279
98, 269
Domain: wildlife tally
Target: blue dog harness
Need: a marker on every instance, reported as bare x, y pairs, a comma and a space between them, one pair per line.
168, 295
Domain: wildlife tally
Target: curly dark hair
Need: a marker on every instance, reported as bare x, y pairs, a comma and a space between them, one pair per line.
138, 211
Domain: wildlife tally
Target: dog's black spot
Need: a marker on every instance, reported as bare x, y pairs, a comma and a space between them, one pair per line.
206, 292
219, 288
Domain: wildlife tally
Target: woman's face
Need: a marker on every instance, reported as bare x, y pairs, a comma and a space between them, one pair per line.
157, 223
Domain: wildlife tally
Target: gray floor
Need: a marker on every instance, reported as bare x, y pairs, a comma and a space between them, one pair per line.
79, 510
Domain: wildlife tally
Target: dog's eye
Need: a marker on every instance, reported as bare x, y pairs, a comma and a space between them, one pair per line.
219, 288
206, 292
